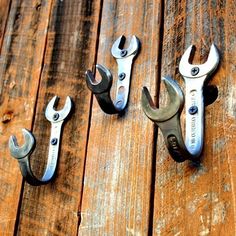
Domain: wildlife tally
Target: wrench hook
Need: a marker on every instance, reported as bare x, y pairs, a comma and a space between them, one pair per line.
22, 153
124, 59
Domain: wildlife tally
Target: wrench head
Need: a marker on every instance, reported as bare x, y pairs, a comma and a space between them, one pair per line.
175, 105
56, 116
99, 87
117, 50
196, 71
24, 150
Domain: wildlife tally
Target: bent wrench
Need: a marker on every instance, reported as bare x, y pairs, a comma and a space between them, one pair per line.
195, 76
124, 59
168, 119
23, 153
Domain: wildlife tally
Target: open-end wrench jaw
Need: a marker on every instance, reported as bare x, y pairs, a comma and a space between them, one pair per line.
163, 114
117, 48
102, 89
26, 149
102, 86
56, 116
195, 71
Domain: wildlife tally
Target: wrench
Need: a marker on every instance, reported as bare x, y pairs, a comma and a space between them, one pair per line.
195, 76
168, 119
23, 153
124, 59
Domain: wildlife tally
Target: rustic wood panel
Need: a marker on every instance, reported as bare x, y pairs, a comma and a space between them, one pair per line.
71, 48
118, 175
131, 184
20, 66
188, 200
4, 11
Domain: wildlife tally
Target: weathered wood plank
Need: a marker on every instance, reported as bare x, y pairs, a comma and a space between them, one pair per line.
20, 66
71, 46
190, 201
4, 12
117, 186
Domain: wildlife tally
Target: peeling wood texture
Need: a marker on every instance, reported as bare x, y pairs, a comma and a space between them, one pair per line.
114, 175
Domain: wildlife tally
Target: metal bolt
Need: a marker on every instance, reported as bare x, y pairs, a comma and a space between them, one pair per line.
122, 76
193, 110
54, 141
55, 116
123, 52
194, 71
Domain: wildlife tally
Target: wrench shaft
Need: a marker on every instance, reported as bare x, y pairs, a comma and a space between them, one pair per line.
194, 115
53, 152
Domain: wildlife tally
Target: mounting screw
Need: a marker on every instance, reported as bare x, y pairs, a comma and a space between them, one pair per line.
193, 110
194, 71
54, 141
121, 76
123, 52
55, 116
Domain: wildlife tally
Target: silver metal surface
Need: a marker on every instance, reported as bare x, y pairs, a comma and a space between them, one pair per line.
195, 77
133, 48
23, 153
124, 66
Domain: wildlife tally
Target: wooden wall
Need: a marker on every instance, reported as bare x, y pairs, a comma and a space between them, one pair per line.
114, 176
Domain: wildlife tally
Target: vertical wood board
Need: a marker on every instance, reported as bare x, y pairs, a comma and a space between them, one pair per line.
118, 175
70, 49
20, 66
190, 200
4, 12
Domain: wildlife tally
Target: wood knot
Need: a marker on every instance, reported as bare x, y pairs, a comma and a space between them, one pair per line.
12, 84
38, 6
7, 117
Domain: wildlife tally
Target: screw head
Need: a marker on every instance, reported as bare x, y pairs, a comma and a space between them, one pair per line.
121, 76
193, 110
195, 71
55, 116
54, 141
123, 52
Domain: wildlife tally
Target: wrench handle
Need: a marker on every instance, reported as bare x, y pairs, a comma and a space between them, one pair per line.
53, 152
194, 116
123, 85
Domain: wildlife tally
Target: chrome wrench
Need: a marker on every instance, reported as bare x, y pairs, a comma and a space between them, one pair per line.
22, 153
195, 77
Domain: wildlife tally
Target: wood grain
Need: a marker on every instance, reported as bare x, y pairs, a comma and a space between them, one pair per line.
71, 47
118, 175
20, 66
114, 174
188, 200
4, 11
